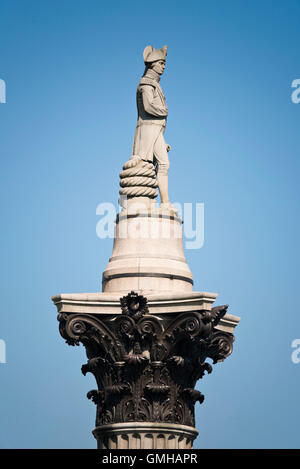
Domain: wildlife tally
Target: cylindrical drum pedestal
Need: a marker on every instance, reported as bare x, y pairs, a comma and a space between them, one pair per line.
148, 253
145, 435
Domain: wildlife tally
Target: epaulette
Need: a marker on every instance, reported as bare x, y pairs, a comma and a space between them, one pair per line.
147, 81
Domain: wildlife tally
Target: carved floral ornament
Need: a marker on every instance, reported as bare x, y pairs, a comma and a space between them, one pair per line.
146, 367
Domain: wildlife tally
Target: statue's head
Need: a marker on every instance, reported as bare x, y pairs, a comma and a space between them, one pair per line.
158, 66
155, 58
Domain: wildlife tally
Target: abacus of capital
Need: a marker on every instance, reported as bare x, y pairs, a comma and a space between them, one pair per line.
147, 335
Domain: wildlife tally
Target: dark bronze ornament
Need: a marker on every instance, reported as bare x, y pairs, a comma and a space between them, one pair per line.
146, 367
134, 305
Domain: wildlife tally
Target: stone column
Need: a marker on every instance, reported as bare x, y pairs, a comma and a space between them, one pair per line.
146, 365
148, 435
147, 335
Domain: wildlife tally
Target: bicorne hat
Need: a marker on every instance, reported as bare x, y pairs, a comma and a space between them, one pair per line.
152, 55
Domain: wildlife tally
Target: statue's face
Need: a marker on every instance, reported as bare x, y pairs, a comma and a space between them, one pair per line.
159, 66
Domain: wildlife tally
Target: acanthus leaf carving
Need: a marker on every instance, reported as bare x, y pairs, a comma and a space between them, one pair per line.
146, 369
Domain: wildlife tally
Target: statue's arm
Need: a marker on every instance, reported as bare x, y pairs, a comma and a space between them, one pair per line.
151, 108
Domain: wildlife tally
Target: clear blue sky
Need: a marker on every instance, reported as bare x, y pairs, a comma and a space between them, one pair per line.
71, 70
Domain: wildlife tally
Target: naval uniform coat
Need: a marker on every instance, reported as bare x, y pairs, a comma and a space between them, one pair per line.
152, 117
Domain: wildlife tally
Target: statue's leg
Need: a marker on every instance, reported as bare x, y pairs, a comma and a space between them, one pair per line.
161, 156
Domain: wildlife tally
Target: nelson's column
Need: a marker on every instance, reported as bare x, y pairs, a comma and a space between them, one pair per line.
147, 334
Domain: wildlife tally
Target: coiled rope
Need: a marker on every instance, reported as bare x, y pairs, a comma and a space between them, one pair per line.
138, 179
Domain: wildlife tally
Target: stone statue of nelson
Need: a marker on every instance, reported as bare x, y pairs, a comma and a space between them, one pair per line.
149, 143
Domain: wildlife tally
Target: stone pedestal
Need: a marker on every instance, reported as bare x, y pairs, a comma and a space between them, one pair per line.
147, 336
147, 253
